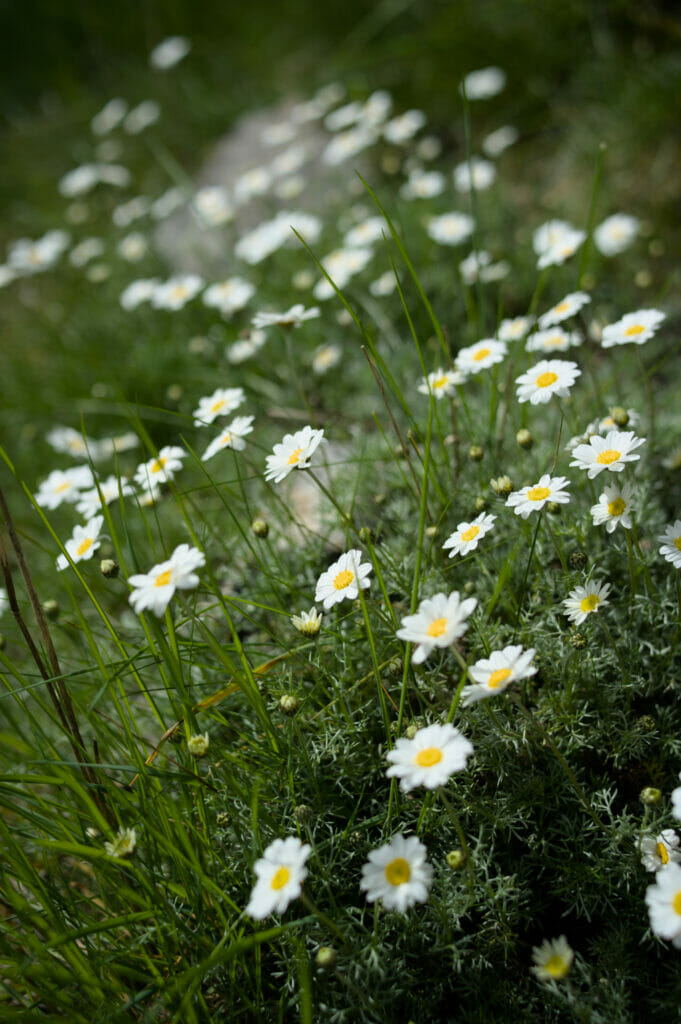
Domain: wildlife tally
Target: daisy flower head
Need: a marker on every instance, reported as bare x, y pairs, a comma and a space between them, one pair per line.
671, 544
563, 249
554, 339
633, 328
293, 317
228, 296
492, 675
83, 543
308, 623
280, 874
176, 292
152, 591
467, 535
429, 758
106, 491
293, 452
616, 233
169, 52
475, 173
614, 508
438, 622
441, 382
231, 437
552, 960
344, 579
483, 83
610, 452
498, 141
325, 358
584, 601
221, 403
660, 852
564, 309
161, 469
549, 377
398, 874
63, 485
511, 329
664, 904
123, 843
532, 499
450, 228
480, 356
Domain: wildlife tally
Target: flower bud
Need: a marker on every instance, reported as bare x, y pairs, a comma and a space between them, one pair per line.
303, 814
524, 439
650, 796
198, 744
326, 958
502, 485
288, 703
366, 534
109, 568
456, 859
554, 508
260, 527
476, 453
578, 641
578, 559
51, 609
620, 416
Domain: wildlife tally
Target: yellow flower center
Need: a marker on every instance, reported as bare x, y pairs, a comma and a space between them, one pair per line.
497, 677
84, 546
470, 534
662, 853
179, 292
676, 902
398, 871
163, 578
555, 339
607, 457
216, 406
677, 542
562, 307
280, 878
538, 493
157, 465
343, 579
428, 757
482, 353
635, 329
616, 507
440, 382
60, 488
294, 457
437, 627
589, 603
544, 380
556, 966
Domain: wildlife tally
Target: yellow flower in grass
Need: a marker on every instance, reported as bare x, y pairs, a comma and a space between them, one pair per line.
398, 874
584, 601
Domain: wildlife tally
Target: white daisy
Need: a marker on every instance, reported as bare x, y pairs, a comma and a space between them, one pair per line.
659, 853
325, 358
280, 874
138, 292
222, 402
213, 206
450, 228
562, 250
564, 309
480, 356
152, 591
176, 292
514, 328
584, 601
366, 232
554, 339
671, 544
475, 173
293, 452
429, 758
498, 141
483, 83
664, 904
467, 535
552, 960
63, 485
423, 184
636, 328
398, 874
344, 579
307, 623
245, 346
492, 675
228, 296
403, 127
547, 378
161, 469
83, 543
293, 317
532, 499
614, 508
441, 382
610, 452
438, 622
616, 233
106, 491
549, 234
169, 52
231, 437
123, 843
341, 265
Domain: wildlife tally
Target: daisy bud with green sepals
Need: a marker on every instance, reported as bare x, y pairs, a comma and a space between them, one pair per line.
51, 609
480, 503
578, 559
578, 641
650, 796
109, 568
620, 416
502, 485
308, 623
524, 439
456, 859
260, 527
198, 744
476, 453
366, 534
303, 814
326, 958
289, 703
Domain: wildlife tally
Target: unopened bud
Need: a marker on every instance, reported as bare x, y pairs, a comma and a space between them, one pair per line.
650, 796
198, 744
288, 703
578, 641
326, 958
303, 814
260, 527
502, 485
366, 534
51, 609
620, 416
578, 559
524, 439
554, 508
476, 453
480, 503
456, 859
109, 568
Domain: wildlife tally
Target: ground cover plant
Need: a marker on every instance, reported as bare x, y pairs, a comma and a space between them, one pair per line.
341, 555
